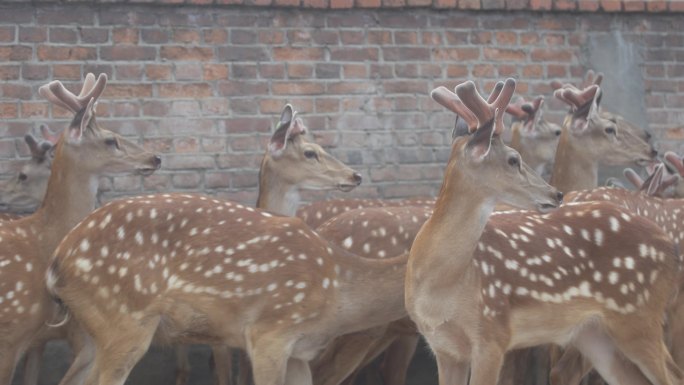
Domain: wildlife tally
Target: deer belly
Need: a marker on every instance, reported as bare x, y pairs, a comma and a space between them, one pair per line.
532, 326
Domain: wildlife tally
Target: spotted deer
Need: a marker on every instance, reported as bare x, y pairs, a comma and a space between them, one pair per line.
199, 269
291, 163
591, 275
534, 137
84, 152
23, 193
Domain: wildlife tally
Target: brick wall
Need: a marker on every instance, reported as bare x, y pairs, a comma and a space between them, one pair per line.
204, 84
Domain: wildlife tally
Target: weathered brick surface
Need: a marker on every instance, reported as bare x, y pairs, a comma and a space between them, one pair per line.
203, 84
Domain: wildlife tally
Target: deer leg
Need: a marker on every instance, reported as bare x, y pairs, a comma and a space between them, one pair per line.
32, 365
486, 363
223, 364
182, 364
516, 365
84, 348
676, 331
244, 369
600, 350
298, 373
397, 360
117, 354
9, 357
642, 343
570, 368
269, 353
451, 371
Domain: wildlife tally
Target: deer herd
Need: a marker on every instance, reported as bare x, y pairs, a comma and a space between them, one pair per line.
503, 280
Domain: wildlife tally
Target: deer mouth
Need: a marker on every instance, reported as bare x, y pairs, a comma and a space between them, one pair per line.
146, 171
345, 187
547, 207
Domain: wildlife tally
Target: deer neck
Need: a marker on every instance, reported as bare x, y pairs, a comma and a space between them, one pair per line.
70, 196
445, 245
572, 169
276, 195
371, 292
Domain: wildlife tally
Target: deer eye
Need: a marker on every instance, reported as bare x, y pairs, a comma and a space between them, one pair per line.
112, 142
22, 177
309, 154
514, 161
610, 130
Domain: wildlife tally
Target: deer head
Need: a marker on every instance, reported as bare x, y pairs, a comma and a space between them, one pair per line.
24, 192
293, 162
533, 136
86, 143
483, 159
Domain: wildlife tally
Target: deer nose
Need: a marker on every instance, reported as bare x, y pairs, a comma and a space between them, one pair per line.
157, 161
357, 178
654, 153
559, 197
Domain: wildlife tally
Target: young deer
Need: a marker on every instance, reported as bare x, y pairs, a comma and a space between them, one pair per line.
534, 137
24, 193
84, 152
591, 275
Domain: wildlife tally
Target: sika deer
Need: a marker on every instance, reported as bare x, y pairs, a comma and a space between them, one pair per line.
83, 153
534, 137
511, 296
24, 193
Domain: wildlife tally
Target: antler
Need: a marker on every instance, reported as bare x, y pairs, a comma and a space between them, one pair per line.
450, 100
56, 93
483, 110
591, 78
575, 97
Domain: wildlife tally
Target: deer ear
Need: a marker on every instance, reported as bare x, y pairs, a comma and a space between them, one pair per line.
288, 128
76, 131
594, 108
32, 145
481, 141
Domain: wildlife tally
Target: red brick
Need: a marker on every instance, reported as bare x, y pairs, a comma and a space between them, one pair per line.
445, 3
634, 6
556, 71
611, 5
213, 71
656, 5
9, 110
465, 53
297, 88
676, 6
493, 4
556, 55
16, 52
129, 71
469, 4
32, 34
286, 3
242, 88
352, 37
158, 71
123, 91
272, 70
70, 53
541, 5
506, 38
507, 70
66, 71
297, 54
215, 36
339, 4
358, 71
55, 16
565, 5
186, 53
529, 38
393, 3
186, 180
517, 4
345, 88
406, 86
35, 71
588, 5
533, 71
353, 54
315, 3
7, 33
94, 35
243, 36
249, 125
484, 70
299, 71
63, 35
504, 54
405, 38
186, 36
380, 37
124, 52
271, 37
481, 37
16, 91
125, 36
406, 53
432, 38
185, 90
155, 36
